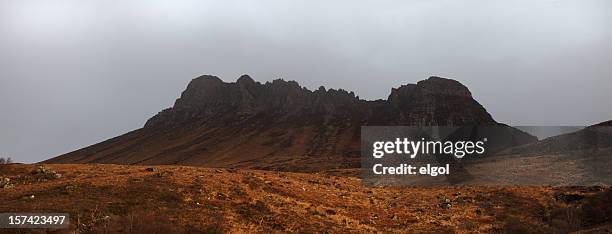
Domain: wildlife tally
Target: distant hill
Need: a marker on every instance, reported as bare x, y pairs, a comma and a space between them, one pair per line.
280, 125
593, 139
581, 158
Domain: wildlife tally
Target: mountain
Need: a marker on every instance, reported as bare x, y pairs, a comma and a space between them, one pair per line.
280, 125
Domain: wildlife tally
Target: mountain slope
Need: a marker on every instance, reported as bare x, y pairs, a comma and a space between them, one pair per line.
280, 125
595, 139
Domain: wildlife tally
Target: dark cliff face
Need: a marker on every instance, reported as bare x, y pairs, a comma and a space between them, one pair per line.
435, 101
208, 97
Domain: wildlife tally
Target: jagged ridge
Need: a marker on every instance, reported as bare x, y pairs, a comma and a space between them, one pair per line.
435, 101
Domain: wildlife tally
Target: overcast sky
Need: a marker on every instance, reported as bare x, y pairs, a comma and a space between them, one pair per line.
76, 72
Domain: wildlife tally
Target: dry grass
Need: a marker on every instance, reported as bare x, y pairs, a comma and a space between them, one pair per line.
176, 199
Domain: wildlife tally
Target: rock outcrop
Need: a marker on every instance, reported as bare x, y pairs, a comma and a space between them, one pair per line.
435, 101
280, 125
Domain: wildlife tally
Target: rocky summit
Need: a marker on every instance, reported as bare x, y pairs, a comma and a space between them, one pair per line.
280, 125
435, 101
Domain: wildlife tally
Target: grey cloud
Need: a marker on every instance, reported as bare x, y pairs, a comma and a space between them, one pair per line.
73, 73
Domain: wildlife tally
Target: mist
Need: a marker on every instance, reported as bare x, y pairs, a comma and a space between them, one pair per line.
74, 73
